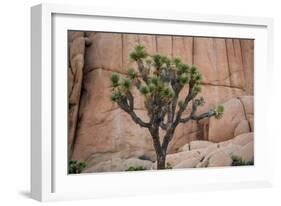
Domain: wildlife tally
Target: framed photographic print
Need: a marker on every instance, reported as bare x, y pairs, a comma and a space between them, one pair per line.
134, 102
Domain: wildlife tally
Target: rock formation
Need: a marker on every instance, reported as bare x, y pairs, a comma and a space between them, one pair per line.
99, 132
205, 154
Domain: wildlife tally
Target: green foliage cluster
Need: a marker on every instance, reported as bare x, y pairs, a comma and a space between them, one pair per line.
219, 111
76, 167
139, 53
163, 77
137, 168
237, 161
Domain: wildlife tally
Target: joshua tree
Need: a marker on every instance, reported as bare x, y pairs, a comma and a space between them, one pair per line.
160, 80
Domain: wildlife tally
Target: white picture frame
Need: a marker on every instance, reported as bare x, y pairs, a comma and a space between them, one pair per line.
49, 179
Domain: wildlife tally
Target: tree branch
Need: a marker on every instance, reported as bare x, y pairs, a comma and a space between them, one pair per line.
129, 108
163, 125
168, 137
131, 100
142, 71
204, 115
177, 89
184, 120
192, 115
154, 131
201, 116
162, 115
174, 106
183, 107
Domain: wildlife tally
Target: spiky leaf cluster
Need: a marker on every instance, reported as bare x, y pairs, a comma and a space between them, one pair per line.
115, 96
138, 53
114, 79
167, 93
121, 87
132, 74
183, 78
200, 101
219, 111
126, 83
144, 89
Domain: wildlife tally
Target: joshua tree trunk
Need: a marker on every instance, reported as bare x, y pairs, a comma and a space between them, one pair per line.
161, 161
159, 150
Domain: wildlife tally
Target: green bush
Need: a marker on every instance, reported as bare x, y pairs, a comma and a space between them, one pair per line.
237, 161
169, 166
76, 167
137, 168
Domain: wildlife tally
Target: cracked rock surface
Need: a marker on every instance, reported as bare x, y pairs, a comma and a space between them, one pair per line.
98, 131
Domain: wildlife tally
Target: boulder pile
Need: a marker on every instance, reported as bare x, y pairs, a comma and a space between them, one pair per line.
196, 154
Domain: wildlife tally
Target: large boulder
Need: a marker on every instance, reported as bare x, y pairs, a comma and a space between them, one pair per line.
231, 148
184, 148
217, 158
234, 121
248, 105
243, 139
207, 150
224, 143
188, 163
176, 158
246, 153
200, 144
242, 127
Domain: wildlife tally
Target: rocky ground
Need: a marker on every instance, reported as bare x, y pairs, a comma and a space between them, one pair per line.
196, 154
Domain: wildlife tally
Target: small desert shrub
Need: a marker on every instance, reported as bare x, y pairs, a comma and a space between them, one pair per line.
76, 167
169, 166
237, 161
137, 168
